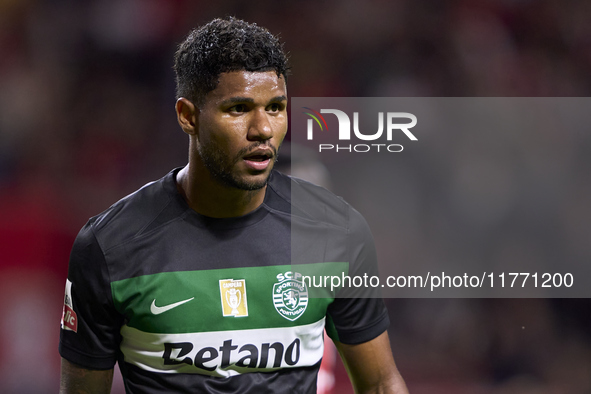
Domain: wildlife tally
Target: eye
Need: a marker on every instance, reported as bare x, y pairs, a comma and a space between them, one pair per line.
239, 108
275, 107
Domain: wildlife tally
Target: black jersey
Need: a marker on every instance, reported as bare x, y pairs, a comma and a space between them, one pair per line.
188, 303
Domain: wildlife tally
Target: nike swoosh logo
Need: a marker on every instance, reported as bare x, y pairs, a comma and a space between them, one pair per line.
161, 309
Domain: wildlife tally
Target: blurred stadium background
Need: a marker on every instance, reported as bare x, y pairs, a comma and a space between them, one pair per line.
86, 117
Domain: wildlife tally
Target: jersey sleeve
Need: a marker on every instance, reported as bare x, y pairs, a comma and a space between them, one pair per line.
90, 324
358, 314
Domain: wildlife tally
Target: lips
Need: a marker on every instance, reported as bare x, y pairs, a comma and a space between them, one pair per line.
258, 159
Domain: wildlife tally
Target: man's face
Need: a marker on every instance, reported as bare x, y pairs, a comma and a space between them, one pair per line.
241, 126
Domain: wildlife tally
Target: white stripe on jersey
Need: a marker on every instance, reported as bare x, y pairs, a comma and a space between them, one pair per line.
225, 353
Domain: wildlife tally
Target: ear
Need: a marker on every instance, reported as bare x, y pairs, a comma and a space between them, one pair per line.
186, 114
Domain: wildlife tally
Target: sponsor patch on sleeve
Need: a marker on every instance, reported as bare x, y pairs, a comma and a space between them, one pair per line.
69, 318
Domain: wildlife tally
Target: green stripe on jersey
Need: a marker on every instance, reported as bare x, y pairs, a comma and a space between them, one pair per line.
224, 299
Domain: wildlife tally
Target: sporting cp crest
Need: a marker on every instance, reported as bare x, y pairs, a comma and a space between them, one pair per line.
290, 295
233, 294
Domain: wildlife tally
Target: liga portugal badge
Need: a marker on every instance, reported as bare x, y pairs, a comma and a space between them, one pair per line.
69, 318
290, 295
233, 294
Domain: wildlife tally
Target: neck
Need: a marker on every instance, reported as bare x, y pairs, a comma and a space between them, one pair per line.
209, 197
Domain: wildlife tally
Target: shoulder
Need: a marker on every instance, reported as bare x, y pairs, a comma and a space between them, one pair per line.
312, 202
133, 214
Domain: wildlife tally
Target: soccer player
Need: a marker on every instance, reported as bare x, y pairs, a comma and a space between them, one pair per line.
194, 283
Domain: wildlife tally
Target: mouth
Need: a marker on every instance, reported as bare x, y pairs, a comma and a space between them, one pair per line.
259, 159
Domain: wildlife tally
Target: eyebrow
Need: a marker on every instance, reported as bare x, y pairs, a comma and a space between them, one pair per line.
278, 99
239, 100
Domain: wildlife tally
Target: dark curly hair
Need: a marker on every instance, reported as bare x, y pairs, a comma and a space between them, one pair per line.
224, 45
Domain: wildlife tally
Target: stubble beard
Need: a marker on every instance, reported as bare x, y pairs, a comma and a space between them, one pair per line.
221, 167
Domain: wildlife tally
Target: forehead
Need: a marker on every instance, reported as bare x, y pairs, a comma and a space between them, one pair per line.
257, 85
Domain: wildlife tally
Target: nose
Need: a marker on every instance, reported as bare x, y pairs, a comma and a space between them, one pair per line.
260, 127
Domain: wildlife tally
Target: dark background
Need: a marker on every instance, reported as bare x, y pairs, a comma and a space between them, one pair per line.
86, 117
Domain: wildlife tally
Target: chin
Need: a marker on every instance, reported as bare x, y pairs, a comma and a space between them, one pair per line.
246, 182
254, 183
